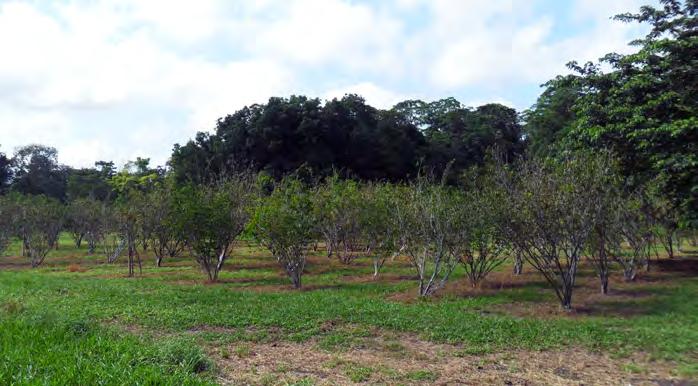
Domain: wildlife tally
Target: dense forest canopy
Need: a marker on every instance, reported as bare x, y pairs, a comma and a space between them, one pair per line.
349, 136
642, 106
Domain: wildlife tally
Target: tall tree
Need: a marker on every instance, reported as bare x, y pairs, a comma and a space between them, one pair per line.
36, 171
646, 107
550, 119
88, 183
5, 173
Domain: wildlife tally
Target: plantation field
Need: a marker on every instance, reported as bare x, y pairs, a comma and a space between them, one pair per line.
78, 320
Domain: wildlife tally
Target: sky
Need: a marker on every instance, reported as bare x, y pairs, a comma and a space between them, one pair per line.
119, 79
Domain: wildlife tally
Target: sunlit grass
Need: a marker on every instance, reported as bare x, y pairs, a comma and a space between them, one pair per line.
42, 307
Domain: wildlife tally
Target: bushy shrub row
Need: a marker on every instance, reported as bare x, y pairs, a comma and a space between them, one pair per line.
550, 214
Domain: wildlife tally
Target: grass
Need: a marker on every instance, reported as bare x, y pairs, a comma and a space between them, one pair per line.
422, 375
46, 348
71, 312
358, 373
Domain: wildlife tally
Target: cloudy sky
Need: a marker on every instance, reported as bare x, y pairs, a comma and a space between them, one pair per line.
116, 79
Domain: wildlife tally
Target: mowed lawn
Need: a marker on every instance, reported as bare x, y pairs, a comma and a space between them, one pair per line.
78, 320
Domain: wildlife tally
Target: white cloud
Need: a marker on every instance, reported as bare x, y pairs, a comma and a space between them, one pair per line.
374, 95
115, 79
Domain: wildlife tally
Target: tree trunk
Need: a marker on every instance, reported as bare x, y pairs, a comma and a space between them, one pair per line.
328, 246
130, 261
377, 265
604, 285
568, 285
518, 264
295, 276
158, 261
219, 264
669, 246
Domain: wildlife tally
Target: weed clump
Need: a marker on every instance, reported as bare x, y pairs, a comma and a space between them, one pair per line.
12, 306
180, 353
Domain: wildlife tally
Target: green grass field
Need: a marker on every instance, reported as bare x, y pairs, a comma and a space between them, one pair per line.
78, 320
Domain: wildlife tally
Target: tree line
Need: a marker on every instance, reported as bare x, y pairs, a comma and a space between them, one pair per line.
552, 215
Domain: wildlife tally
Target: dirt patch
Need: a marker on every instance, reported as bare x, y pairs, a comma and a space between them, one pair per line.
686, 265
405, 359
76, 268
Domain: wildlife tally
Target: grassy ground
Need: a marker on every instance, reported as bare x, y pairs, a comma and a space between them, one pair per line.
78, 320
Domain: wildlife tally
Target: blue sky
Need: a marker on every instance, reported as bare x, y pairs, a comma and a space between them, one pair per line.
117, 79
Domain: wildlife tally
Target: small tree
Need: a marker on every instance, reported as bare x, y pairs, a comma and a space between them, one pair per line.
338, 206
96, 223
210, 219
127, 217
6, 229
634, 227
668, 217
82, 218
110, 234
158, 222
482, 245
428, 227
16, 213
378, 225
43, 218
553, 214
605, 239
284, 223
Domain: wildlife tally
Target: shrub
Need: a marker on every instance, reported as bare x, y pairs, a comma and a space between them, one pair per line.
210, 219
553, 209
481, 244
283, 222
339, 209
428, 229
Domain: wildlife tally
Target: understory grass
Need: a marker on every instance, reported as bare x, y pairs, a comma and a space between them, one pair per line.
66, 324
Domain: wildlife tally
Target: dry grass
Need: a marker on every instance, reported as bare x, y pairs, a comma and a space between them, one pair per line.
389, 358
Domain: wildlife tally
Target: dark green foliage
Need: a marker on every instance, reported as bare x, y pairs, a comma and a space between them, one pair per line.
348, 136
84, 221
462, 136
5, 173
89, 183
550, 119
6, 227
36, 171
645, 109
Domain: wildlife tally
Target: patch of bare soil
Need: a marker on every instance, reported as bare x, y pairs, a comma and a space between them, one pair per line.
404, 359
624, 299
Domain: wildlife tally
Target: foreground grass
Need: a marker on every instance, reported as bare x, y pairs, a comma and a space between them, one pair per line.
41, 347
62, 325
